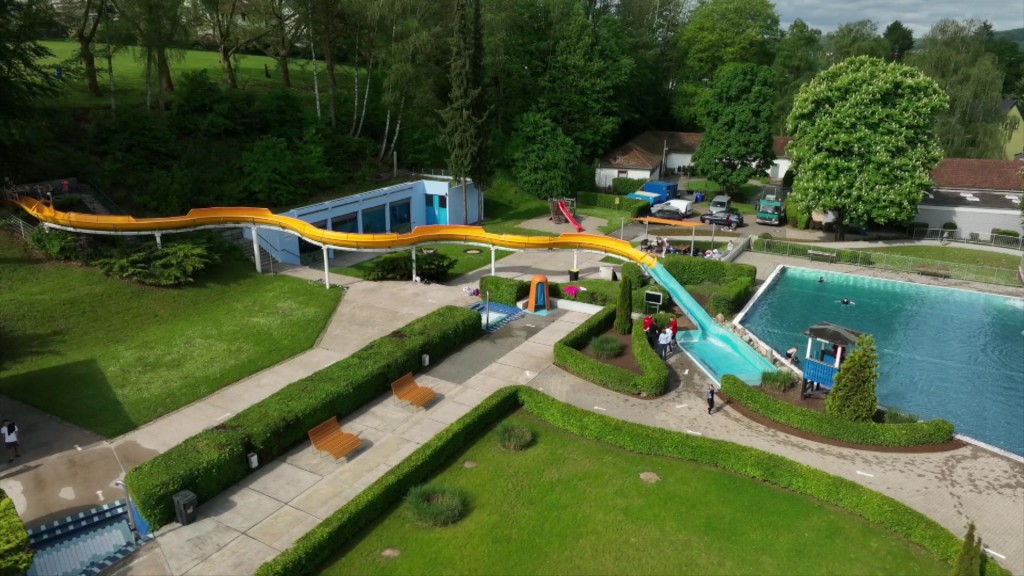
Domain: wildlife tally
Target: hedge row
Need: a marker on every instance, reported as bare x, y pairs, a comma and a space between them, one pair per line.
821, 424
731, 297
689, 270
633, 206
654, 380
311, 551
215, 459
15, 554
510, 291
623, 186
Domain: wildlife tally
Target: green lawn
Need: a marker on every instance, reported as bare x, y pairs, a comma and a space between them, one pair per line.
747, 192
572, 506
505, 207
954, 255
464, 263
110, 355
614, 218
130, 74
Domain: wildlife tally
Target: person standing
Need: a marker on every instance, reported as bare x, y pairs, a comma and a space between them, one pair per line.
673, 325
711, 398
10, 432
665, 339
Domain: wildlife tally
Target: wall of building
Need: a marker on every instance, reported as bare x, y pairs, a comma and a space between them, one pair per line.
603, 176
779, 168
967, 219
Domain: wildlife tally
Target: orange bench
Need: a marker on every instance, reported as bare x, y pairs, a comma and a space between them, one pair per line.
406, 388
329, 437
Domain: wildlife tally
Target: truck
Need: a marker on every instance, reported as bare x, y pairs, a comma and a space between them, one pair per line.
769, 206
656, 192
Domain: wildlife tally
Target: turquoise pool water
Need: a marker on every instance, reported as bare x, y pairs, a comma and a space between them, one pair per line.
943, 353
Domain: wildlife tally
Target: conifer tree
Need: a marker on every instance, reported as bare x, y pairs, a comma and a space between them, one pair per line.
624, 309
853, 395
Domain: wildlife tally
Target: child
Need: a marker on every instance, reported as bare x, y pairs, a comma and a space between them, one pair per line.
10, 433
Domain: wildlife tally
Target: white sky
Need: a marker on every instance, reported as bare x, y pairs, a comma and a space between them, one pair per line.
918, 15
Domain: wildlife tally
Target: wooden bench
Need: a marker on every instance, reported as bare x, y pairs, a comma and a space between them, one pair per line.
822, 256
329, 437
929, 270
406, 389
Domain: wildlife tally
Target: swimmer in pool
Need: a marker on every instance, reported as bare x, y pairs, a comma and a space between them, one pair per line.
846, 302
821, 279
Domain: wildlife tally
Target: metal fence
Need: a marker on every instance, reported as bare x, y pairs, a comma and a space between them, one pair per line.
1000, 240
17, 224
894, 262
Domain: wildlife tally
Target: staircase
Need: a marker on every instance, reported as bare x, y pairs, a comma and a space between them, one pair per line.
500, 315
83, 544
235, 236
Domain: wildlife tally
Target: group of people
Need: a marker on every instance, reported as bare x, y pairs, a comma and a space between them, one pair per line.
666, 338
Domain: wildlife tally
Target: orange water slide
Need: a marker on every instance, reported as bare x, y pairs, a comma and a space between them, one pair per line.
261, 217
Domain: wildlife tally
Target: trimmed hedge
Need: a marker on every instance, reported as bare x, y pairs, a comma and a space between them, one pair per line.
654, 380
510, 291
731, 297
635, 274
507, 291
690, 270
1005, 232
309, 553
865, 433
633, 206
15, 554
623, 186
214, 460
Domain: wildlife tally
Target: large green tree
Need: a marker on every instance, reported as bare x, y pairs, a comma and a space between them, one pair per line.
462, 117
81, 19
954, 54
719, 32
1010, 57
543, 157
900, 39
858, 38
863, 142
800, 56
853, 396
737, 143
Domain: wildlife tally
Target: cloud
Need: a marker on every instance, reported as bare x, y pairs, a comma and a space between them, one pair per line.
918, 15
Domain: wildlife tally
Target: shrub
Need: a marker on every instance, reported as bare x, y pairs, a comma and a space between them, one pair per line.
634, 273
662, 319
689, 270
172, 265
15, 554
213, 460
969, 561
605, 347
821, 424
624, 309
506, 291
55, 244
514, 437
632, 206
437, 505
853, 397
894, 416
803, 220
731, 297
1005, 232
654, 380
949, 226
623, 186
765, 235
309, 553
433, 267
779, 380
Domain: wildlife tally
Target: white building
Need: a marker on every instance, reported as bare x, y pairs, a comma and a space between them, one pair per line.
976, 195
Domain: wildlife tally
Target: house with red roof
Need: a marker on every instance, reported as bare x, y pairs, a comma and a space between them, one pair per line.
976, 195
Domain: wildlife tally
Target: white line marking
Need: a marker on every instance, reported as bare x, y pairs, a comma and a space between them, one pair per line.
99, 493
77, 447
694, 433
224, 416
601, 409
530, 326
686, 372
681, 405
994, 553
865, 474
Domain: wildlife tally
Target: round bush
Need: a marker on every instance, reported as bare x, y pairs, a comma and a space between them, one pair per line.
514, 437
437, 505
606, 346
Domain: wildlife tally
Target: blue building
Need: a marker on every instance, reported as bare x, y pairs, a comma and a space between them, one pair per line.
398, 208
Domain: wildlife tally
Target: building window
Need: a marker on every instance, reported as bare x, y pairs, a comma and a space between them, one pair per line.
373, 220
623, 174
442, 201
401, 216
345, 223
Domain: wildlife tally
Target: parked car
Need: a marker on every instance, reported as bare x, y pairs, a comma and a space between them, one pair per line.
720, 203
683, 206
668, 213
731, 218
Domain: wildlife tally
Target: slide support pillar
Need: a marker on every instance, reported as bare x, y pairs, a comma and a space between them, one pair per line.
327, 270
413, 264
159, 241
576, 259
256, 249
492, 261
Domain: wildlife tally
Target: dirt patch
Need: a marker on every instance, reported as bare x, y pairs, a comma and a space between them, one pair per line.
815, 399
626, 360
649, 477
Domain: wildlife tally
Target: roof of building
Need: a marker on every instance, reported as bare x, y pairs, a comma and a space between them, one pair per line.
975, 174
1006, 105
646, 150
833, 333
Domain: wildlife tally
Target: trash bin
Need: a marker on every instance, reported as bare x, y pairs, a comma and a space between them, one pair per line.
698, 197
185, 505
574, 275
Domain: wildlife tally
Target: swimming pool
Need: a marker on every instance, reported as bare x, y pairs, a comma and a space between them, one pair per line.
943, 352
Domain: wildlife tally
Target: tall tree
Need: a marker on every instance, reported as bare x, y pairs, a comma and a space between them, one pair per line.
854, 397
82, 18
461, 132
719, 32
543, 157
858, 38
737, 143
24, 80
280, 19
900, 39
1010, 56
863, 142
228, 25
953, 54
799, 58
159, 26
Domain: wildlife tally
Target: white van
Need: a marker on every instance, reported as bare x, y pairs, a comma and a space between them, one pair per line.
720, 203
685, 207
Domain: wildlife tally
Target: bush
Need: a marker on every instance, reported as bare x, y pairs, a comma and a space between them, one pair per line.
949, 226
854, 397
310, 552
654, 380
969, 561
1005, 232
15, 554
605, 347
634, 207
624, 308
213, 460
505, 291
514, 437
432, 267
437, 505
730, 298
894, 416
866, 433
172, 265
55, 244
623, 186
689, 270
779, 380
662, 319
634, 273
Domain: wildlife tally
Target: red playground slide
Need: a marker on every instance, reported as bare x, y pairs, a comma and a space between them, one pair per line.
568, 216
